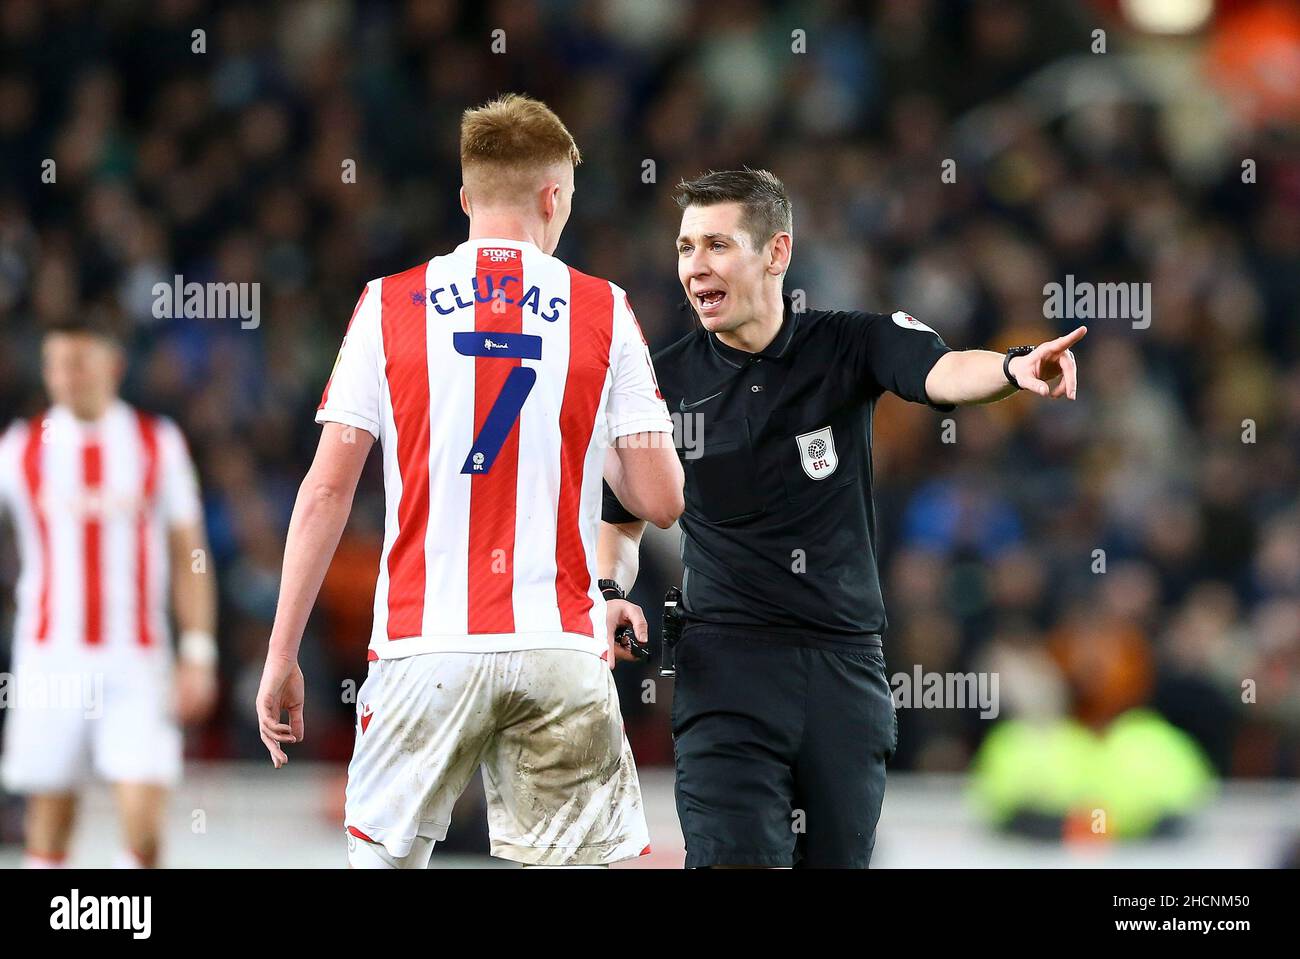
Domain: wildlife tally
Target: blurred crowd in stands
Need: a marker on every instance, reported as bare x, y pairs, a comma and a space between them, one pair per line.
1138, 547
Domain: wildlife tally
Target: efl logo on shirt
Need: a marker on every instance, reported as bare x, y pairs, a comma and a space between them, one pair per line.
909, 322
500, 255
817, 453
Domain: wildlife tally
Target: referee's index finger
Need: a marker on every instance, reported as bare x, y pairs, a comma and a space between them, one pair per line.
1067, 341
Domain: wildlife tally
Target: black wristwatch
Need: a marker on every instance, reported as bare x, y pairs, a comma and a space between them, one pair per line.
611, 590
1006, 363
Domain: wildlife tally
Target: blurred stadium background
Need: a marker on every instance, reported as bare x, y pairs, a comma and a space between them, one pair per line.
1166, 689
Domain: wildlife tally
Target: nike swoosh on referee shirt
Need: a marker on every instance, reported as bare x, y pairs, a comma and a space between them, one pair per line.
687, 407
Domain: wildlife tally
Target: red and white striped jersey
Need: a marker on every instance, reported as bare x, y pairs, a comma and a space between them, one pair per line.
495, 379
92, 504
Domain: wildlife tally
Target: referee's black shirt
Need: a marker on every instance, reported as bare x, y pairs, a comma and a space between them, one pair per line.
765, 544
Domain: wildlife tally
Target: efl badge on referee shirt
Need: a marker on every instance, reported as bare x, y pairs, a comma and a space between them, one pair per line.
817, 453
909, 322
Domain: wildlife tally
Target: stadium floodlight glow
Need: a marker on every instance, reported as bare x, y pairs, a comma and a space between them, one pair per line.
1167, 16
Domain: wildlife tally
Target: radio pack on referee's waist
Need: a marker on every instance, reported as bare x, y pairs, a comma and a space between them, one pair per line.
670, 632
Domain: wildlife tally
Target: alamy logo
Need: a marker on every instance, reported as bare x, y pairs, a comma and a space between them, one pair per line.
924, 690
210, 301
82, 692
76, 912
1098, 301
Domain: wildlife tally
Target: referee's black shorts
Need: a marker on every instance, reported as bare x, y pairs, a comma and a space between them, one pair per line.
781, 748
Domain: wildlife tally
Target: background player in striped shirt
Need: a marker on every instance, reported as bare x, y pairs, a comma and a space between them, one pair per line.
105, 504
501, 384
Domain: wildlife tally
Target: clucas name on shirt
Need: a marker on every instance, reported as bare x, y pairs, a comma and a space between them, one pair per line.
446, 300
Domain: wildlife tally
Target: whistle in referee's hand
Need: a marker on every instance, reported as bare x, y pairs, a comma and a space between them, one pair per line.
625, 636
671, 632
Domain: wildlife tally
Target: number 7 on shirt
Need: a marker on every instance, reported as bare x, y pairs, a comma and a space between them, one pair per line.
506, 407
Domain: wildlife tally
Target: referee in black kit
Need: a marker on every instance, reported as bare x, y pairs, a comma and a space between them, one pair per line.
782, 716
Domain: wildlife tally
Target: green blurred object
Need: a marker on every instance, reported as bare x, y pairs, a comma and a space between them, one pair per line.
1139, 772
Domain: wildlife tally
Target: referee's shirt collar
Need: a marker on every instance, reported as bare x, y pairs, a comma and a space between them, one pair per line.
775, 350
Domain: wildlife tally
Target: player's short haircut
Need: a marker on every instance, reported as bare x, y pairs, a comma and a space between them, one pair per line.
506, 143
90, 322
766, 204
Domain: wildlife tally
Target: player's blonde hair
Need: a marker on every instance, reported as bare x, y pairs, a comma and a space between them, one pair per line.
506, 143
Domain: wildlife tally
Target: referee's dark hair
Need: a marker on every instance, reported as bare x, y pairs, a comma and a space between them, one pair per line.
766, 204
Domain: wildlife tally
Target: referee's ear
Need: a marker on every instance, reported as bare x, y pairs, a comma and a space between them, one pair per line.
780, 247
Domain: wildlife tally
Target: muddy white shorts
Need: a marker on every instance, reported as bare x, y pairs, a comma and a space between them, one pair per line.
545, 726
66, 719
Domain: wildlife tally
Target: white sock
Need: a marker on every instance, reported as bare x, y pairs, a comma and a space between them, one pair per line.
33, 861
126, 859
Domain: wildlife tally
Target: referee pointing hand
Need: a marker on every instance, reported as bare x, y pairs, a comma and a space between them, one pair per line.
782, 716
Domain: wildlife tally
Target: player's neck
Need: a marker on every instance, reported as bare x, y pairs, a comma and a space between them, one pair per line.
91, 411
506, 226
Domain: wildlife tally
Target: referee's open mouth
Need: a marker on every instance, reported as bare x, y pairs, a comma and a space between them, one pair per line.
708, 301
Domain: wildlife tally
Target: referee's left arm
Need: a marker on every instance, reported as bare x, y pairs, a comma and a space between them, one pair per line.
977, 376
618, 550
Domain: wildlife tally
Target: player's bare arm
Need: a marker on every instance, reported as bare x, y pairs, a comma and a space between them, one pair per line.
194, 596
975, 376
646, 475
319, 515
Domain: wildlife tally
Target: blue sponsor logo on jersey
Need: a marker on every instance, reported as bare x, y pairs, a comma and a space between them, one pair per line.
519, 346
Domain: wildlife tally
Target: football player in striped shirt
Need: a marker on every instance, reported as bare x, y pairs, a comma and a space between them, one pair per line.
104, 502
501, 385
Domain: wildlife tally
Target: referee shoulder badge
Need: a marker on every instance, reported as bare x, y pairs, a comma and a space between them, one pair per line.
909, 322
817, 453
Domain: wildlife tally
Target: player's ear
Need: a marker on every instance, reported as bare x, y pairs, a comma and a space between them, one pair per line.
778, 260
464, 200
550, 200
